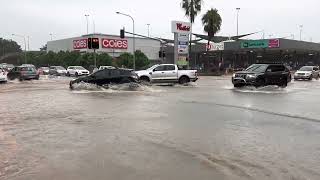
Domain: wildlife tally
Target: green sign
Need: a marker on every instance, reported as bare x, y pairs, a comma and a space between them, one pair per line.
255, 44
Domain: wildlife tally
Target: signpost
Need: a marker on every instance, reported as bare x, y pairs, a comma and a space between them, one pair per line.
182, 31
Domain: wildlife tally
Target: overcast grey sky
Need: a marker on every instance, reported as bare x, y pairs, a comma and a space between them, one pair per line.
65, 18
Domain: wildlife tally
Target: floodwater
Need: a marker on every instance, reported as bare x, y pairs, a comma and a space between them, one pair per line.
206, 130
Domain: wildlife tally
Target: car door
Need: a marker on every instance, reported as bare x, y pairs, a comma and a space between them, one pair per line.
158, 73
71, 70
315, 72
170, 72
274, 74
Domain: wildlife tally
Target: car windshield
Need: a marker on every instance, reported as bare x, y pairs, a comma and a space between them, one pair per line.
257, 68
60, 68
306, 68
79, 68
152, 67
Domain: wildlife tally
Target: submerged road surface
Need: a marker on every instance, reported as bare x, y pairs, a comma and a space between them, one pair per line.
207, 130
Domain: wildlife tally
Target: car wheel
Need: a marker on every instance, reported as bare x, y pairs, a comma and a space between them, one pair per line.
76, 74
260, 82
310, 78
238, 85
284, 83
68, 74
144, 80
184, 80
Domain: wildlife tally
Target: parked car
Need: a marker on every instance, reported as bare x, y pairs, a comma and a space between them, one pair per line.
3, 75
6, 66
57, 70
43, 70
262, 75
167, 73
28, 65
107, 76
23, 73
106, 67
77, 71
307, 72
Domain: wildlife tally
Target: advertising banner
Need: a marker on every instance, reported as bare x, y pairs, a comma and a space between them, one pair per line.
114, 43
215, 46
80, 44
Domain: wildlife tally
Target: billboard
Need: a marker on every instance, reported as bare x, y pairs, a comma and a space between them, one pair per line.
80, 44
114, 43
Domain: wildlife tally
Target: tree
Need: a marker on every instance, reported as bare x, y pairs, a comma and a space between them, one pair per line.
141, 60
44, 48
8, 46
125, 60
192, 8
212, 23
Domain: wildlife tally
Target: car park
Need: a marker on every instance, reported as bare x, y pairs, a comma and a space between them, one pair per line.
3, 75
262, 75
23, 73
167, 73
43, 70
57, 70
307, 73
77, 71
108, 76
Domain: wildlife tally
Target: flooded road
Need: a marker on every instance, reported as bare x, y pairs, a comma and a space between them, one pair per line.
207, 130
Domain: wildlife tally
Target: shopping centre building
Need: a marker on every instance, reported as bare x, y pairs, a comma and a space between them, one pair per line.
111, 44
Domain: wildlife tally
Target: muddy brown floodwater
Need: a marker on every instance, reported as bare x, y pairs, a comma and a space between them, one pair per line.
206, 130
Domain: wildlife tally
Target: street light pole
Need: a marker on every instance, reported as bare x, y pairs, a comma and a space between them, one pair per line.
87, 15
50, 36
148, 30
238, 9
25, 46
133, 39
301, 26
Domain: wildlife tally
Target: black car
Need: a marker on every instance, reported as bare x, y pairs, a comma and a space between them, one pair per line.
23, 73
108, 76
262, 75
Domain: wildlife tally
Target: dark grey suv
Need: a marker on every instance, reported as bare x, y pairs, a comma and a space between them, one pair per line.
262, 75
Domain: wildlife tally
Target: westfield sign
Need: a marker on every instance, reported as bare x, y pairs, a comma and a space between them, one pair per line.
114, 43
182, 27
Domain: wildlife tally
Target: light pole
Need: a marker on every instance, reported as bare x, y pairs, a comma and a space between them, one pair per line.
238, 9
25, 46
301, 26
148, 30
51, 36
87, 15
133, 39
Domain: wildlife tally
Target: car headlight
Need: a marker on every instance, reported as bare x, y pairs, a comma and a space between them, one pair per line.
308, 74
251, 76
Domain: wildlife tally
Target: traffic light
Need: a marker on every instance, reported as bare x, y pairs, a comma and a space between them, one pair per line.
121, 33
93, 43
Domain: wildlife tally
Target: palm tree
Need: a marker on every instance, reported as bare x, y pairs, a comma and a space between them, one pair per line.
191, 8
212, 23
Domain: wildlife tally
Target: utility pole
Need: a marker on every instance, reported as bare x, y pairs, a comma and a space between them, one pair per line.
133, 39
301, 26
87, 15
148, 30
238, 9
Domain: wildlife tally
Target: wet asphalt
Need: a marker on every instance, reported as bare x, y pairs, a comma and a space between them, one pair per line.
206, 130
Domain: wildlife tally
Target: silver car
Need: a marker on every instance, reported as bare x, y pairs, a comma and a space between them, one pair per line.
307, 72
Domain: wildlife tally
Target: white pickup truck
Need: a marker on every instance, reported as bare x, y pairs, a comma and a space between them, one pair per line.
167, 73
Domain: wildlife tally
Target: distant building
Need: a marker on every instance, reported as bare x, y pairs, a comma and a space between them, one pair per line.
111, 44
